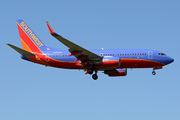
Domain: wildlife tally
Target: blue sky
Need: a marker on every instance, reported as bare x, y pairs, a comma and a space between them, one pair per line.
30, 91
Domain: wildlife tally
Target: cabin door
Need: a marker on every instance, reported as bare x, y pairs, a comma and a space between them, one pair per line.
150, 54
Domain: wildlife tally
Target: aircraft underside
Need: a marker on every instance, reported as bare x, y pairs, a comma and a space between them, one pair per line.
111, 68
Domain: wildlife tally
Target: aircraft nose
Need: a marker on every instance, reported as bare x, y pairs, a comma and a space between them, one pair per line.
170, 60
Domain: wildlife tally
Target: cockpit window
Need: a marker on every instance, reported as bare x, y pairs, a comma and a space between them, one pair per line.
161, 54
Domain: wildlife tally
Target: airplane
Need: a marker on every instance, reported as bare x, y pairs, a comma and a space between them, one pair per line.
111, 62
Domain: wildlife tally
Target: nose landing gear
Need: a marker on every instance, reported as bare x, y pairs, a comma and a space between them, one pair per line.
154, 68
153, 72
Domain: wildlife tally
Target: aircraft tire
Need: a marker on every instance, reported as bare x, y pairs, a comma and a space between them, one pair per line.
90, 71
94, 76
153, 72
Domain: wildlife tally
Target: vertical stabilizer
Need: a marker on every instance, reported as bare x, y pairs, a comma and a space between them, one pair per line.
30, 41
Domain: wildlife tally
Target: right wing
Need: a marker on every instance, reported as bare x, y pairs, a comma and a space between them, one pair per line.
79, 52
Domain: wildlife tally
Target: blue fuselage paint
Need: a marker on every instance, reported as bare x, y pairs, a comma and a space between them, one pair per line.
144, 54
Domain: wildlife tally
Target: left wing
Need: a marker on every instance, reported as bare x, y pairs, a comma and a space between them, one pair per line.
21, 51
79, 52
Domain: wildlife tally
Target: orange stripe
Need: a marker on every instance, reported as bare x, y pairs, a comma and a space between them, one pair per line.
25, 47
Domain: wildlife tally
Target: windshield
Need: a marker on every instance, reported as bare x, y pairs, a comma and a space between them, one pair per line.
161, 54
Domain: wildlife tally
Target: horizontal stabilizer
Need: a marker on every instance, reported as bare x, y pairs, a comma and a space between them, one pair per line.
21, 51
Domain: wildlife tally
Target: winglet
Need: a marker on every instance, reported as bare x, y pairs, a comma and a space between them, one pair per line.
51, 30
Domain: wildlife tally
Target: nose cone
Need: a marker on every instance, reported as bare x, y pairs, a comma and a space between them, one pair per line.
169, 60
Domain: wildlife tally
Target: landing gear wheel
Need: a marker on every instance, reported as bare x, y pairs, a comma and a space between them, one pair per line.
153, 72
94, 76
90, 71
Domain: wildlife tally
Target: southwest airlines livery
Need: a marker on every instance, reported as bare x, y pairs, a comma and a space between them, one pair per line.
111, 62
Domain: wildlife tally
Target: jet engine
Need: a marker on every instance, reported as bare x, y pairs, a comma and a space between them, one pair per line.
116, 72
111, 61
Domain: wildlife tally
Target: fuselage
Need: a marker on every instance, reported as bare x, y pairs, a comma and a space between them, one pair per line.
129, 58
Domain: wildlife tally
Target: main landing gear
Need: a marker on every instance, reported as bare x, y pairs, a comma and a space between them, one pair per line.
94, 76
90, 71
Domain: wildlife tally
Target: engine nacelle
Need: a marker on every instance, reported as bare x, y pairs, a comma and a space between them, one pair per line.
111, 61
116, 72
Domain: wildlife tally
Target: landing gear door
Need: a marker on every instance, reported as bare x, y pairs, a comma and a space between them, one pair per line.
150, 54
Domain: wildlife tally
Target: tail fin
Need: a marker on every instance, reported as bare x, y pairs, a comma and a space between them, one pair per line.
30, 41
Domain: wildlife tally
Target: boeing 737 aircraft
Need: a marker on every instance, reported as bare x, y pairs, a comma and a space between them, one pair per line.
111, 62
